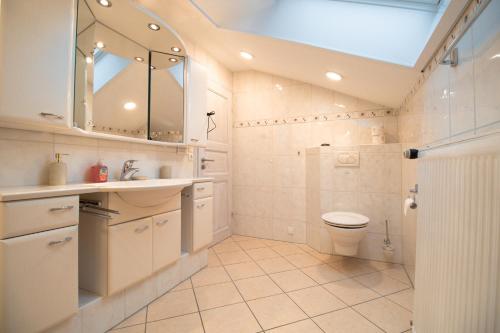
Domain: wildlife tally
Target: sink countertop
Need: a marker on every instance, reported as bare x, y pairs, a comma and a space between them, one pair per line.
46, 191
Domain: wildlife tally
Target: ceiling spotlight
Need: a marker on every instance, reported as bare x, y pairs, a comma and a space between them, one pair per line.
139, 59
104, 3
152, 67
153, 26
100, 44
172, 60
88, 60
333, 76
246, 55
129, 106
176, 49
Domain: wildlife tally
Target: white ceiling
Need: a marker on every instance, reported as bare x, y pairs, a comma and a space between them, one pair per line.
377, 81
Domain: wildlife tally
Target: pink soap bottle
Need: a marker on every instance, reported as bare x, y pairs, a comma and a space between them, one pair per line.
99, 173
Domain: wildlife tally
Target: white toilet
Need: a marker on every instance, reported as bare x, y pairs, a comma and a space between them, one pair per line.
347, 230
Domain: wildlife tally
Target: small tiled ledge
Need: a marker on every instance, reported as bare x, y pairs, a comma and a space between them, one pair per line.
102, 313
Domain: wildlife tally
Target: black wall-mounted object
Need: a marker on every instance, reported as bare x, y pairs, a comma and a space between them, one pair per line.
411, 154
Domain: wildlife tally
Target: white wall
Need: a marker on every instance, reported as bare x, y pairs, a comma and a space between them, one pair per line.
453, 103
269, 164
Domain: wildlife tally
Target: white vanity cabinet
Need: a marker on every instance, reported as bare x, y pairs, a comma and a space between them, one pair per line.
38, 263
197, 216
166, 239
196, 116
37, 58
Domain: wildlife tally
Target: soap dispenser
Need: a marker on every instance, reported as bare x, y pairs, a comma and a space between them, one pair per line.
58, 171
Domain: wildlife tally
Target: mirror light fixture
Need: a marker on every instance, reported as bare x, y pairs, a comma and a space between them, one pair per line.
333, 76
104, 3
175, 49
246, 55
139, 59
129, 106
154, 26
172, 60
88, 60
100, 44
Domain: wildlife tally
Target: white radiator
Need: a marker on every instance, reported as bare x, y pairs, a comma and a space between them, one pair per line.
458, 239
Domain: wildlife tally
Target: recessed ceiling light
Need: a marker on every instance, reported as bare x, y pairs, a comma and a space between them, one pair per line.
176, 49
104, 3
279, 86
139, 59
333, 76
88, 60
129, 106
172, 60
246, 55
154, 26
100, 44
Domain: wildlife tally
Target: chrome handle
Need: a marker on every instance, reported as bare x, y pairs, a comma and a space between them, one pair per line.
160, 223
195, 140
200, 206
59, 242
51, 115
57, 209
200, 189
144, 228
203, 160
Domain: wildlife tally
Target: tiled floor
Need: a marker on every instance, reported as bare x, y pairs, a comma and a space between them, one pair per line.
256, 285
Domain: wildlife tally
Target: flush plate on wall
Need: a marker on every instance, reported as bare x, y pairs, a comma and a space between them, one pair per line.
347, 159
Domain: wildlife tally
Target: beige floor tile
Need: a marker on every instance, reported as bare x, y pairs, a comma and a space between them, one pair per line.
244, 270
210, 275
172, 304
275, 265
275, 311
321, 256
387, 315
190, 323
226, 247
213, 260
345, 321
304, 326
381, 265
302, 260
262, 253
241, 238
229, 258
350, 291
137, 318
216, 295
398, 273
381, 283
306, 248
316, 300
130, 329
404, 298
230, 319
272, 242
257, 287
323, 273
287, 249
186, 284
252, 244
292, 280
334, 258
353, 266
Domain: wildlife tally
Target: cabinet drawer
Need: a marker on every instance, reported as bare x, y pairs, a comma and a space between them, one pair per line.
166, 239
29, 216
202, 223
202, 190
129, 253
39, 275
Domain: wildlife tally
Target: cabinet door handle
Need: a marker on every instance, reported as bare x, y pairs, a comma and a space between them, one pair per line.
58, 209
141, 229
51, 115
200, 189
160, 223
60, 242
195, 140
200, 205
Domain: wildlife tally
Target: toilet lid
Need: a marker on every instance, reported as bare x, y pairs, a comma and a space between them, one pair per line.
345, 219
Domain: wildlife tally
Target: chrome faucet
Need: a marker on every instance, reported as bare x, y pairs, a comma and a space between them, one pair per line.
128, 170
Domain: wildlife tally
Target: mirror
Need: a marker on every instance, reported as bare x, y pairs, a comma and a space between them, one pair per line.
129, 78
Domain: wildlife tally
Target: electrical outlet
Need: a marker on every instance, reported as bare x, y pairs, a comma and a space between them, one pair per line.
291, 230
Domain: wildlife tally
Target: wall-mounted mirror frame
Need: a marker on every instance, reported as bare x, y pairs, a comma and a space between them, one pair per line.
116, 87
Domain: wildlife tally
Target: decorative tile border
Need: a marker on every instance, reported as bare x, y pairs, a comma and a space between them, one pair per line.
365, 114
473, 9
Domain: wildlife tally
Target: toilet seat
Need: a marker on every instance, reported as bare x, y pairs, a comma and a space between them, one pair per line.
345, 220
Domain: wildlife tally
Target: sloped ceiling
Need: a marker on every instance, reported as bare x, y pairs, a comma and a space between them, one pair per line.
374, 80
